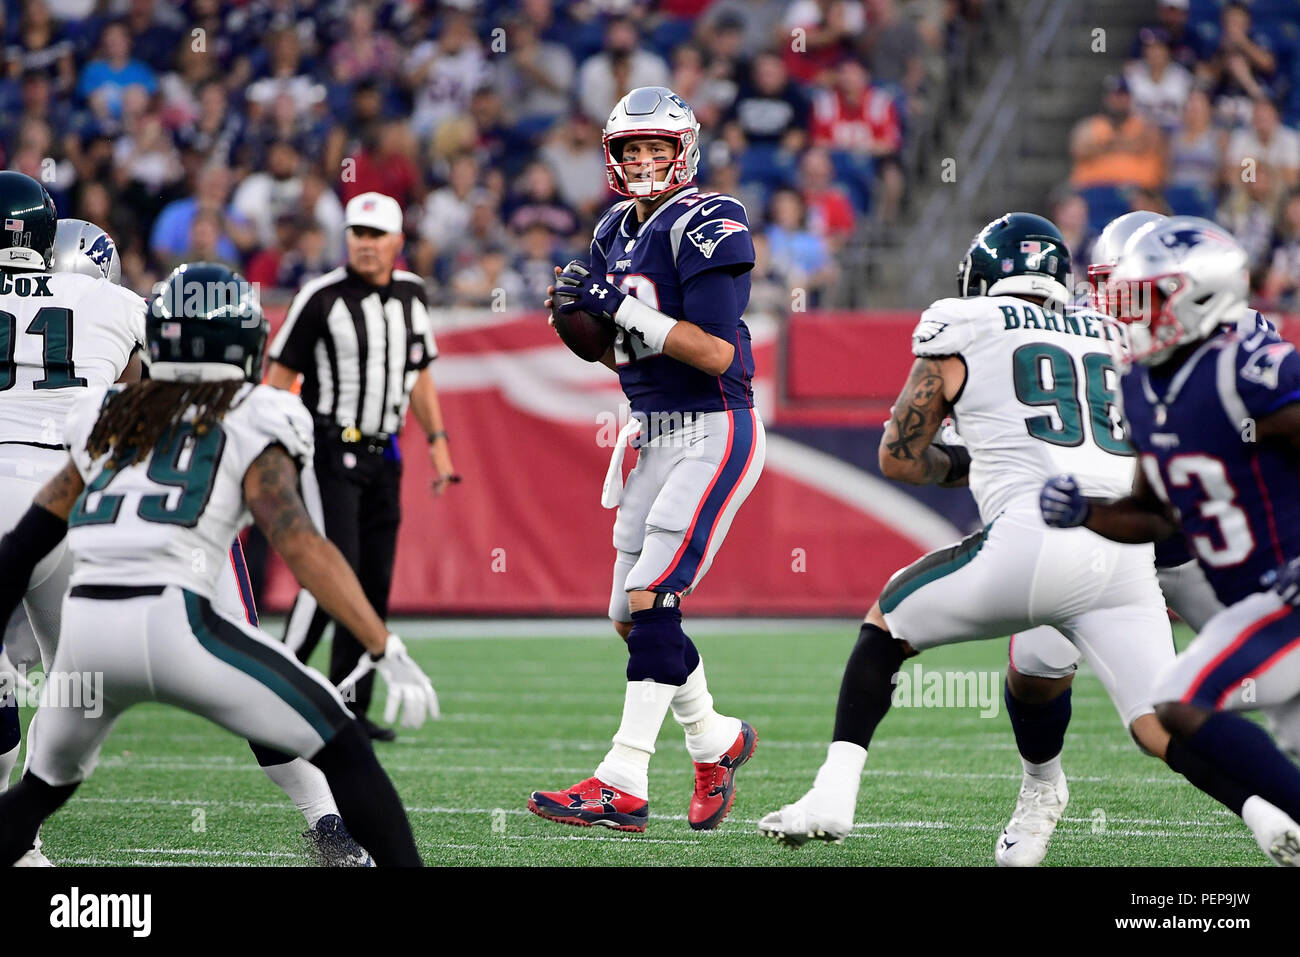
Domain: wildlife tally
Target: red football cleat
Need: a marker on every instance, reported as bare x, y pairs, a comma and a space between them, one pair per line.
592, 803
715, 782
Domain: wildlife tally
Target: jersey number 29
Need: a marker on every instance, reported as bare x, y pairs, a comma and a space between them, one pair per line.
182, 460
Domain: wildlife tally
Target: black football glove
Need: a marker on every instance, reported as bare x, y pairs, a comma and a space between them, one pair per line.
576, 289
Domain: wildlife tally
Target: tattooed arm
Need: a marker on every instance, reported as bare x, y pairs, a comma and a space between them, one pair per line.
59, 494
271, 491
906, 453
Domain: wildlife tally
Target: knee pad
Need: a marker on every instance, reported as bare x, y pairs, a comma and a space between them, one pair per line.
657, 647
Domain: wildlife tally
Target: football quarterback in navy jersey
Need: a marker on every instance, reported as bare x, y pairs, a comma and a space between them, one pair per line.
1212, 404
669, 270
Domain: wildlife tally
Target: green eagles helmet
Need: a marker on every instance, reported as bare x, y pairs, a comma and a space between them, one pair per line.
30, 220
205, 325
1016, 254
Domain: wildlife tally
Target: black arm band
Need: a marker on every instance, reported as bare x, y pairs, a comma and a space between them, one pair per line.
21, 550
958, 462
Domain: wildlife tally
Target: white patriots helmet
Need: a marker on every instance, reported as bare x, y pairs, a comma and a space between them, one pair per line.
1178, 281
652, 111
1106, 250
83, 247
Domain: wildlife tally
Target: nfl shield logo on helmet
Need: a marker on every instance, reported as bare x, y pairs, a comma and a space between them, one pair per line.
1008, 265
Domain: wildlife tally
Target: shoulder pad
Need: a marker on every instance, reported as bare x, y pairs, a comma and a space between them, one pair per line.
944, 329
284, 419
1262, 359
80, 422
610, 215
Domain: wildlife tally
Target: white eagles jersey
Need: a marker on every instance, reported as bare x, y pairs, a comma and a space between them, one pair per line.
60, 333
171, 519
1040, 399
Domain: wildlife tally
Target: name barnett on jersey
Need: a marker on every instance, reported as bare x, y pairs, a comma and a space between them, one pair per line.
1081, 322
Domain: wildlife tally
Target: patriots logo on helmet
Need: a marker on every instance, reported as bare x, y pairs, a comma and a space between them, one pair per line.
100, 253
1183, 239
707, 236
678, 100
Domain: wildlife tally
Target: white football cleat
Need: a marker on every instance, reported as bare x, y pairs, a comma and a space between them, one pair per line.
808, 819
1023, 842
33, 858
1275, 832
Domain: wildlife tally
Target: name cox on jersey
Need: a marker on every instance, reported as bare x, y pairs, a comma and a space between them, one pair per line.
630, 347
24, 285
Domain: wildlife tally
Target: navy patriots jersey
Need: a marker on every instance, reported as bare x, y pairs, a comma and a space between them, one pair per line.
1237, 499
1175, 551
688, 235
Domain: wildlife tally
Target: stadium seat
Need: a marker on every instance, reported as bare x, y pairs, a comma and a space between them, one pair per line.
855, 174
670, 34
1104, 204
767, 165
1189, 201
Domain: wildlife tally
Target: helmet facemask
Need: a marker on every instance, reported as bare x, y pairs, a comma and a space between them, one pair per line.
1150, 310
622, 174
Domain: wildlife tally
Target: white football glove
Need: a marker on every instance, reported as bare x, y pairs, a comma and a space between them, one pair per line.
409, 689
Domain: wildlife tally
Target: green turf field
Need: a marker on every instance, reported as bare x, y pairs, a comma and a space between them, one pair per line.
537, 713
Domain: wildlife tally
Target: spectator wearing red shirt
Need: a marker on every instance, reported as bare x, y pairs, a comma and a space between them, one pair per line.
862, 121
384, 164
830, 211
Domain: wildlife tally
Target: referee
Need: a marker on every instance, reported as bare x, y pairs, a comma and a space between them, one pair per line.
361, 338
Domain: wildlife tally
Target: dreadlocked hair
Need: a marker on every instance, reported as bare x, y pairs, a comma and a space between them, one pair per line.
137, 418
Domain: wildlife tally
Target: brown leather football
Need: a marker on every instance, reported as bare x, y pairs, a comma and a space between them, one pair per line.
588, 336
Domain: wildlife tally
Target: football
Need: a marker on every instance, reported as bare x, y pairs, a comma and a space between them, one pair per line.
588, 336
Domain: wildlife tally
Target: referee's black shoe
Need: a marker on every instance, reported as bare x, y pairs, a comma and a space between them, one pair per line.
377, 732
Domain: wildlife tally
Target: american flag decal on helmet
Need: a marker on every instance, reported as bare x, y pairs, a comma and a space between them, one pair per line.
1031, 246
707, 235
14, 225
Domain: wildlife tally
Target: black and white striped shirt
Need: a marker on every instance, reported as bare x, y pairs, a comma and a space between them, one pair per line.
359, 347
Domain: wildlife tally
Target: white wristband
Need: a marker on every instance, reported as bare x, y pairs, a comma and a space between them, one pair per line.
648, 323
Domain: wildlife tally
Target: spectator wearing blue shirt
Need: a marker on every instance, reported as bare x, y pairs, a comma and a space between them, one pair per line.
798, 255
171, 235
104, 80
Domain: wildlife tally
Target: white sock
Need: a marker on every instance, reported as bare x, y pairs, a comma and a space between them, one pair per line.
708, 734
627, 765
838, 778
306, 786
1049, 770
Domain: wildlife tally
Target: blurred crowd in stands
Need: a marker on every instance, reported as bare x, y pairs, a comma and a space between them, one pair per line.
1202, 121
220, 129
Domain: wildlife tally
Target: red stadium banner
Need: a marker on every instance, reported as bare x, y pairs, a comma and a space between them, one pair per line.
532, 428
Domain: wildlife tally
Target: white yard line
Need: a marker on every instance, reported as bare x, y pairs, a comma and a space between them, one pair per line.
497, 811
425, 629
